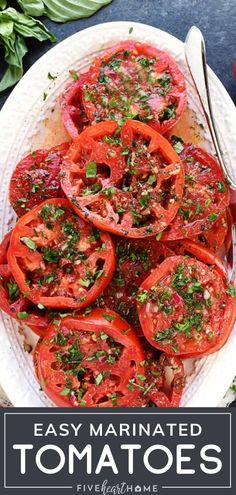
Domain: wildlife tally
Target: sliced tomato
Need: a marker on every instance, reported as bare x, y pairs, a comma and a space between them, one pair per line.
189, 247
215, 237
91, 361
12, 301
133, 80
129, 183
72, 111
206, 195
184, 309
57, 259
135, 260
165, 380
36, 178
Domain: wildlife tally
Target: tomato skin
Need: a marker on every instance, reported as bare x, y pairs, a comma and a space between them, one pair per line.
36, 321
72, 112
53, 378
207, 329
205, 197
36, 178
174, 92
35, 264
187, 246
105, 212
215, 237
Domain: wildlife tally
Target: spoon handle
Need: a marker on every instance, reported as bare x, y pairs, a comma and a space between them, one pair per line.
195, 53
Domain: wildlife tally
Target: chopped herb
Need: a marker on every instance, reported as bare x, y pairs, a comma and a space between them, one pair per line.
91, 170
231, 290
108, 317
74, 76
159, 235
221, 187
29, 243
51, 77
131, 30
212, 217
142, 296
22, 315
99, 379
65, 391
13, 290
178, 147
151, 179
85, 282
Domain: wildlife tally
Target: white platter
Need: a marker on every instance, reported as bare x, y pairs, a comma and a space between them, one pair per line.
28, 122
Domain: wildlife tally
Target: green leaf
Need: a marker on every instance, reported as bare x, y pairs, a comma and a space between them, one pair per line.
29, 243
14, 27
3, 4
32, 7
91, 169
69, 10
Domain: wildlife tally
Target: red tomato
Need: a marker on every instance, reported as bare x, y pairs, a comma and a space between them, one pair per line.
128, 183
12, 301
165, 379
36, 178
133, 80
135, 260
184, 309
72, 111
206, 195
189, 247
57, 259
91, 361
215, 237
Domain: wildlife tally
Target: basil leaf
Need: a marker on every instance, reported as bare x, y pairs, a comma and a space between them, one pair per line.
59, 11
14, 27
32, 7
3, 4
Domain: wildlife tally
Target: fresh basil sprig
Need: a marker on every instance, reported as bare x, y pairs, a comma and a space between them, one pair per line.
59, 11
16, 26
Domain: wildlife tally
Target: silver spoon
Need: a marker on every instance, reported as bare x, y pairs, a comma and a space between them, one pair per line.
195, 54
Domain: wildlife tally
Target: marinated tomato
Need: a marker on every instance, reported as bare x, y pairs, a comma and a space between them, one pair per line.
12, 301
206, 195
133, 80
36, 178
90, 361
128, 182
72, 111
57, 259
185, 308
134, 262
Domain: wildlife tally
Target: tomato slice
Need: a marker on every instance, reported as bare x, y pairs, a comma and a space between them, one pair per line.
189, 247
165, 380
36, 178
206, 195
129, 183
184, 309
12, 301
133, 80
72, 111
135, 260
91, 361
57, 259
215, 237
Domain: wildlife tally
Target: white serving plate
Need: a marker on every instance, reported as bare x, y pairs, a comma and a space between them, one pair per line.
28, 122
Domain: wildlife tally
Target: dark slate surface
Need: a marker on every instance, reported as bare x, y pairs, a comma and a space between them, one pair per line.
216, 19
